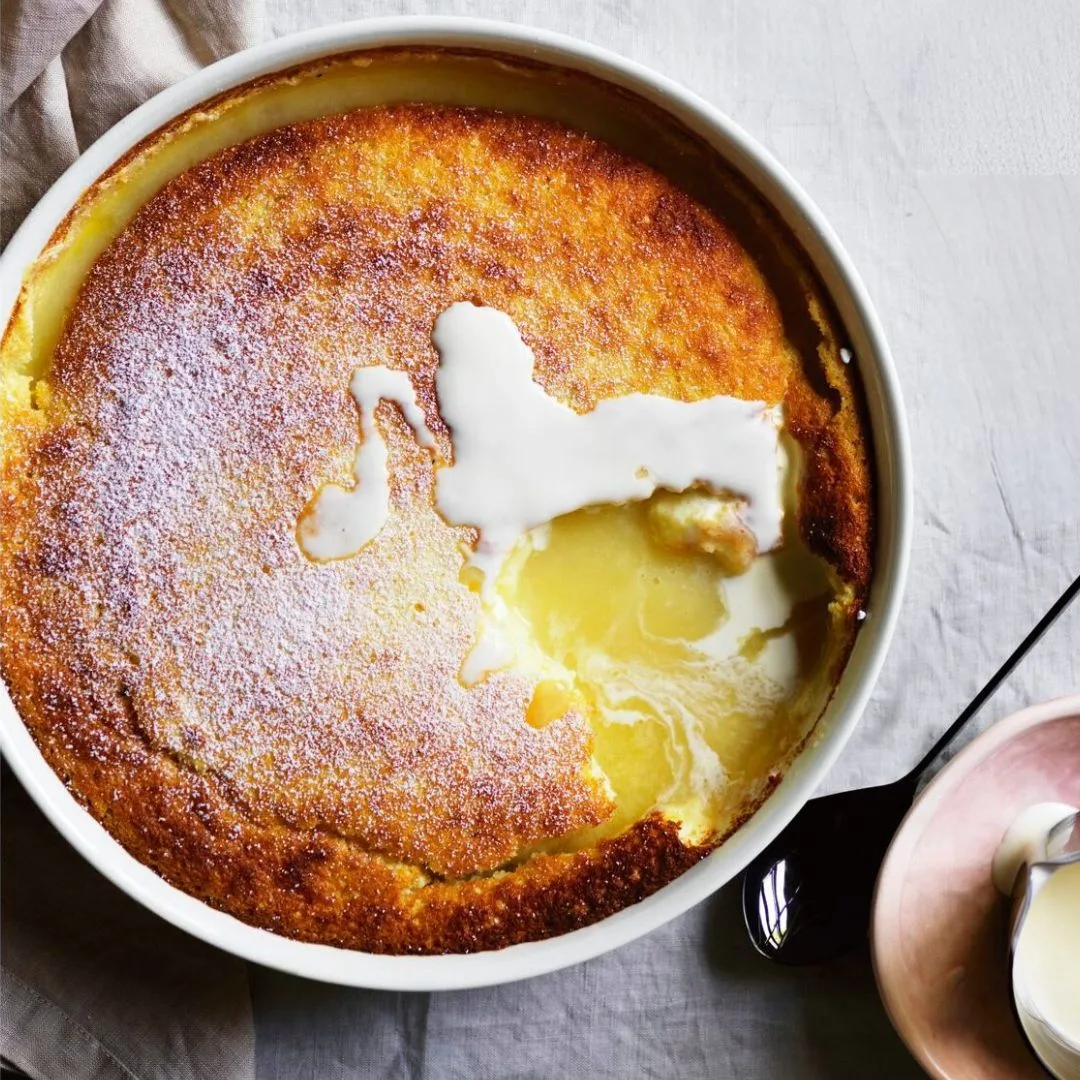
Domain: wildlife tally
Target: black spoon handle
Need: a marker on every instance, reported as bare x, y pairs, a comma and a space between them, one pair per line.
999, 676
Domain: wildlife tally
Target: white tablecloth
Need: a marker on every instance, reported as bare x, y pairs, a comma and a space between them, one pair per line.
943, 142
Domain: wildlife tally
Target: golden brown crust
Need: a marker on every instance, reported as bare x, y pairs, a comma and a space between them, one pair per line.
283, 739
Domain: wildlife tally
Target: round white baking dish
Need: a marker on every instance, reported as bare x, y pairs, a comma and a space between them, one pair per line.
893, 471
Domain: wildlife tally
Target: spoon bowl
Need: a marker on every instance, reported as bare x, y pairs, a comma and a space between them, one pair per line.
806, 897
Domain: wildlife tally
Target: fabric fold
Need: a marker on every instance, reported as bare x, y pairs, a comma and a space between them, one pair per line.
34, 35
74, 68
93, 986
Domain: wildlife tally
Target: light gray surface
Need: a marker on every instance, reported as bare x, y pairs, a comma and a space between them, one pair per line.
943, 142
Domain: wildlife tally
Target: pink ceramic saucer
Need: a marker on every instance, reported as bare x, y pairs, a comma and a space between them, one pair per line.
938, 930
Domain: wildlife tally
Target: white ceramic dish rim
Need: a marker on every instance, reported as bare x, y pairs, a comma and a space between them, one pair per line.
892, 451
884, 948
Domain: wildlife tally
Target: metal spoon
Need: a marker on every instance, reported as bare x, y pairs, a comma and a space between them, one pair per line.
806, 897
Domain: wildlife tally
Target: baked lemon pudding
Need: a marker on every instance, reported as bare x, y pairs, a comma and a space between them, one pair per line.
421, 530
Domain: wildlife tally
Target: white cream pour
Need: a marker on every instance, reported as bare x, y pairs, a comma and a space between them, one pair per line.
340, 520
521, 458
492, 651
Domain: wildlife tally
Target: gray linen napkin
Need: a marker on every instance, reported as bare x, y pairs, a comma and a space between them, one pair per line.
70, 69
93, 987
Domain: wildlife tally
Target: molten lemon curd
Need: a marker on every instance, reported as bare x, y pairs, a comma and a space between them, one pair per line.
696, 682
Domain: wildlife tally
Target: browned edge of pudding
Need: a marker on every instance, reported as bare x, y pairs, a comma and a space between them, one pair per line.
285, 884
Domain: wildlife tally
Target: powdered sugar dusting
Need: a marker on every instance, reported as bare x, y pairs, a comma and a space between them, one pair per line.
339, 521
200, 397
204, 405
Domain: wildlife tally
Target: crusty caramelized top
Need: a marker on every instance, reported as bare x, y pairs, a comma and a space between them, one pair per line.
289, 740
